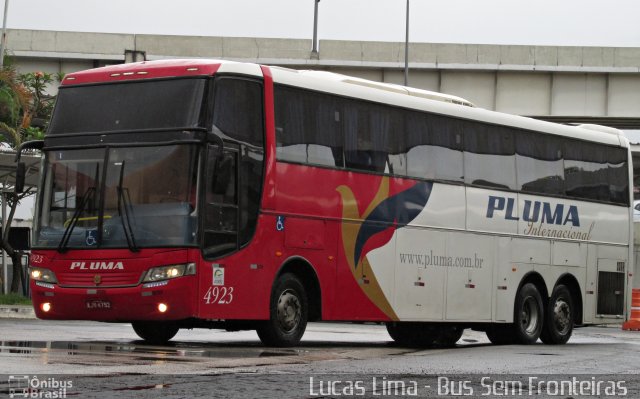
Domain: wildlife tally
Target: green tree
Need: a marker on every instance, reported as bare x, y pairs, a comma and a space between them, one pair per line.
40, 105
25, 106
15, 100
25, 109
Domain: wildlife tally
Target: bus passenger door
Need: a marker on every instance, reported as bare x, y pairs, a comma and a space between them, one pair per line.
220, 226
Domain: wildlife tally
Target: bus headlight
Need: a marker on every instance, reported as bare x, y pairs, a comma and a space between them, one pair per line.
42, 274
169, 272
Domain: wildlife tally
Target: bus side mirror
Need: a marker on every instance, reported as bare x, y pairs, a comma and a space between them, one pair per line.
214, 137
20, 177
21, 170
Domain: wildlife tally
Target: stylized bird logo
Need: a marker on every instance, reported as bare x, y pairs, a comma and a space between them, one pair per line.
362, 233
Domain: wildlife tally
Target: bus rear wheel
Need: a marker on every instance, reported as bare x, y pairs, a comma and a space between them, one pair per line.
500, 334
289, 310
528, 315
155, 332
558, 324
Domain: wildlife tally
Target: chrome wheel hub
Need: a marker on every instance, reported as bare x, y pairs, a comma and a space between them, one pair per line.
289, 310
529, 315
561, 316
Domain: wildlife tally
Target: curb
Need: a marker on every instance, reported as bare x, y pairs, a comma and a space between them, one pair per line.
17, 312
631, 325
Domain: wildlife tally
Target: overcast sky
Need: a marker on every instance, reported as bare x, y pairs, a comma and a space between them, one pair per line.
541, 22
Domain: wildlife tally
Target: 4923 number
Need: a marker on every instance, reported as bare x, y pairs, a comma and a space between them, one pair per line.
219, 295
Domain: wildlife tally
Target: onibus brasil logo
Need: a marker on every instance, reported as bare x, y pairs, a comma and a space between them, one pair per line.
25, 386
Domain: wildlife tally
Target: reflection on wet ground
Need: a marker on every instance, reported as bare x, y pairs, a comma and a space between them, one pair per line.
88, 354
202, 363
176, 350
68, 347
143, 387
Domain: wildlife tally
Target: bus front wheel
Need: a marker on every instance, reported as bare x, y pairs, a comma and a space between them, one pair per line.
155, 332
448, 336
558, 323
289, 310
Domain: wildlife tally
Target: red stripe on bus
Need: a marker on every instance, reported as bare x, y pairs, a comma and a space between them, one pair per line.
269, 191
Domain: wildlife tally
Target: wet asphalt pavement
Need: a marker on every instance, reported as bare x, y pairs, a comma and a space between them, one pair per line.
86, 359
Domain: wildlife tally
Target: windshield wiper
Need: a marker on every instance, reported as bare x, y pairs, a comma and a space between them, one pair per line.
125, 202
62, 247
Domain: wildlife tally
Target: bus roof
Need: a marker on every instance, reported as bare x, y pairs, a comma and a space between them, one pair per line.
390, 87
143, 70
347, 86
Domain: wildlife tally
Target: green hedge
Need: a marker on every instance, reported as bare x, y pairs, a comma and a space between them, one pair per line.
14, 299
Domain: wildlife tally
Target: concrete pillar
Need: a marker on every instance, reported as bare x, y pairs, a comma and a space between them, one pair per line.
134, 56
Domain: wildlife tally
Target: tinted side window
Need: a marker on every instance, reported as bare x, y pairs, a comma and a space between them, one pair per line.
586, 171
489, 156
539, 163
308, 127
618, 175
372, 132
322, 129
433, 147
237, 110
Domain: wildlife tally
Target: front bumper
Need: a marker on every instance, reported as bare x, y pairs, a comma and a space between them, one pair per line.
117, 304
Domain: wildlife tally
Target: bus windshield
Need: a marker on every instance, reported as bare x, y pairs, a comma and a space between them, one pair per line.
146, 197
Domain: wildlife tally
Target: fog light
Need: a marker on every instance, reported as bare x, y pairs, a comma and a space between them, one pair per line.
45, 307
162, 307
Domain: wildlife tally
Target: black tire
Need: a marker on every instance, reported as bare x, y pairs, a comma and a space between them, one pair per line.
448, 336
413, 335
501, 334
528, 316
155, 332
558, 323
288, 313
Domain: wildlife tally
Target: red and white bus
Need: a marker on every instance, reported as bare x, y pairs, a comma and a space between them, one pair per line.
212, 194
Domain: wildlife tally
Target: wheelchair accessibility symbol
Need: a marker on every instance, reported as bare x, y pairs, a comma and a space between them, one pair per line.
91, 237
280, 223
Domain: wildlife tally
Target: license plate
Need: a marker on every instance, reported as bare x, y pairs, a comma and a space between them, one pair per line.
98, 304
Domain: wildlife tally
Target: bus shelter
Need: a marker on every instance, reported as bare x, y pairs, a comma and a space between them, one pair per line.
7, 180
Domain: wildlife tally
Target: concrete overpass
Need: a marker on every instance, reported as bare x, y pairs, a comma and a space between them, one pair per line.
565, 84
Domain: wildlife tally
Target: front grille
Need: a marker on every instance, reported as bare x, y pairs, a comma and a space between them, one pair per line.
107, 279
610, 293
